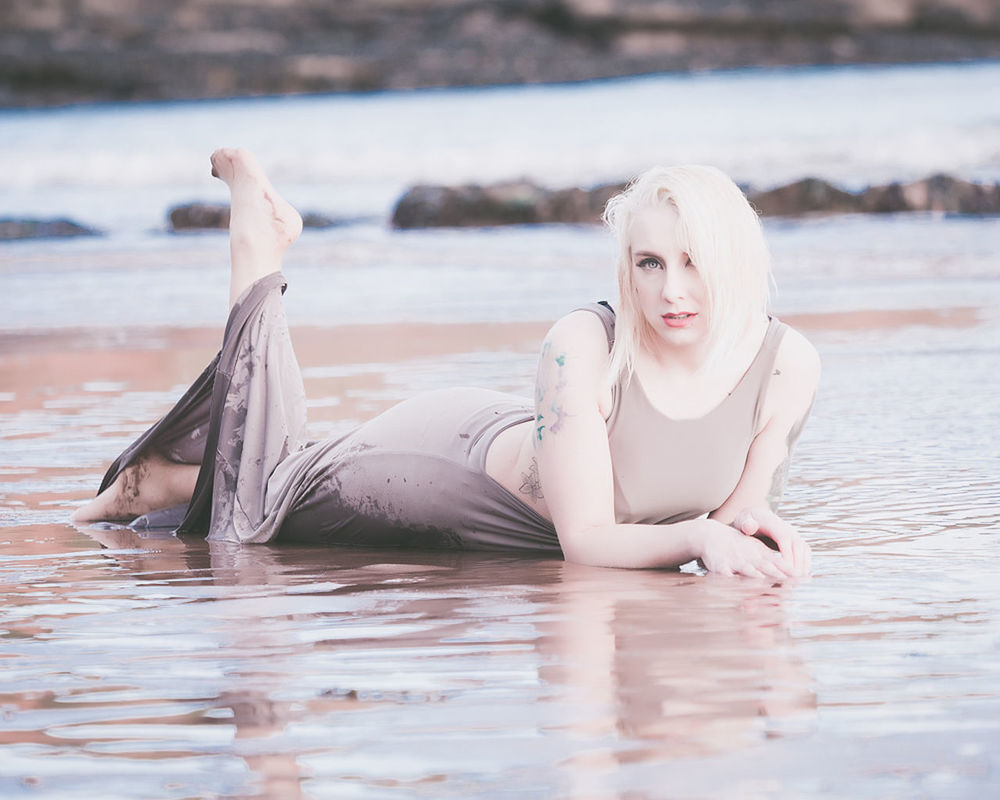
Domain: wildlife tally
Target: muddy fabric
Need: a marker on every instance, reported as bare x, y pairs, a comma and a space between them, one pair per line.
414, 476
240, 418
667, 470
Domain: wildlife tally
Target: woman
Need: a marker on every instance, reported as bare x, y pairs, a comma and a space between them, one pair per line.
660, 434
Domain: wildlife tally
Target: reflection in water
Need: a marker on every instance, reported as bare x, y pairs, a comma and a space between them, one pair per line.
671, 667
384, 668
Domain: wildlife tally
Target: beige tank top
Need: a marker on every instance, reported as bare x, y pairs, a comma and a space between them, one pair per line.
669, 470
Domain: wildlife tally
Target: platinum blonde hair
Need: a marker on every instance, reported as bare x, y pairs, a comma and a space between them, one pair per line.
720, 232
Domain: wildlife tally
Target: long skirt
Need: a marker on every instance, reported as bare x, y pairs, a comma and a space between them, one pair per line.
413, 476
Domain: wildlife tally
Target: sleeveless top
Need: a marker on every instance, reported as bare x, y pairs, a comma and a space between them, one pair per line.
667, 470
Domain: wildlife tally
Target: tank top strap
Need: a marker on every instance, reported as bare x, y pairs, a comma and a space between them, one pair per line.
602, 309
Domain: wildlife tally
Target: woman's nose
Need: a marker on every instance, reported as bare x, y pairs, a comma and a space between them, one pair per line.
673, 283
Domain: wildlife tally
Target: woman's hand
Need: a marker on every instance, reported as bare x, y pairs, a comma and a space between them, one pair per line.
762, 523
729, 552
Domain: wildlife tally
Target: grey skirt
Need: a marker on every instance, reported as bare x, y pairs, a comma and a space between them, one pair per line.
413, 476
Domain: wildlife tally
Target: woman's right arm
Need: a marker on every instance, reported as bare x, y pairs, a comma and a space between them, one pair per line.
574, 463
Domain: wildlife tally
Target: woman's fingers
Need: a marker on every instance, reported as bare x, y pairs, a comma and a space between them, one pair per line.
746, 522
785, 568
767, 564
735, 553
765, 569
790, 544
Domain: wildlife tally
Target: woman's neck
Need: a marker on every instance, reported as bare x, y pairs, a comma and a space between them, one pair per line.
667, 364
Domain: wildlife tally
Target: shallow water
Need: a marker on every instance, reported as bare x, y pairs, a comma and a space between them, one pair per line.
354, 154
150, 667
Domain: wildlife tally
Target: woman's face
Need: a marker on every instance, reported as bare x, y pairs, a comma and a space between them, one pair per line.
669, 288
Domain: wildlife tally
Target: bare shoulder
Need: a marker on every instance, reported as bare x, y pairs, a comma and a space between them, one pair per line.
798, 359
574, 363
796, 375
580, 333
584, 323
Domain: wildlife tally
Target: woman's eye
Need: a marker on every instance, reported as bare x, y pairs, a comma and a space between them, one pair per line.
649, 263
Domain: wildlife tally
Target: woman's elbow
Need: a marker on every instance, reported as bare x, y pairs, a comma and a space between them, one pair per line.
585, 545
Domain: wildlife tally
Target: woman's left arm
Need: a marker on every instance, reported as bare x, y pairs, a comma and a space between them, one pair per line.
752, 506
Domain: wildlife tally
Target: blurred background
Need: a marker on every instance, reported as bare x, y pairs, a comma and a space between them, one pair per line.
63, 51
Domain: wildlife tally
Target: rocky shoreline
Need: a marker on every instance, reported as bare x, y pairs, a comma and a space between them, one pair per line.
70, 51
526, 203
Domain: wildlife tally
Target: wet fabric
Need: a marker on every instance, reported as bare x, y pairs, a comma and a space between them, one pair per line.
667, 470
414, 476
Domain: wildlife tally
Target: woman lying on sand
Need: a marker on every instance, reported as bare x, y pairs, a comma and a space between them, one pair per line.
661, 431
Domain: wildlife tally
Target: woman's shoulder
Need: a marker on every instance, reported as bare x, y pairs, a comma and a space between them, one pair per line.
797, 354
578, 346
586, 329
796, 371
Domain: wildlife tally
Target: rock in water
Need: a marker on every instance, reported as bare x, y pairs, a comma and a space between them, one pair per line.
42, 229
806, 196
213, 216
944, 193
512, 203
199, 216
467, 206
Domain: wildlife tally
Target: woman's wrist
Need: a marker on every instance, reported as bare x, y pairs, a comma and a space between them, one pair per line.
706, 533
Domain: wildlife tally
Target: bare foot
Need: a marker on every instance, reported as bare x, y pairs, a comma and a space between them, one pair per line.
262, 224
151, 483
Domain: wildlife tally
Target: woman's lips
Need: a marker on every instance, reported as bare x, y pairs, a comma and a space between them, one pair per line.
681, 320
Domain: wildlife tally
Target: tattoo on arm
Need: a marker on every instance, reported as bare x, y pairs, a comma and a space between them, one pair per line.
531, 484
780, 476
561, 414
549, 386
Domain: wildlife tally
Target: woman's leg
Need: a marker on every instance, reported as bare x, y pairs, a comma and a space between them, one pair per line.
150, 483
262, 226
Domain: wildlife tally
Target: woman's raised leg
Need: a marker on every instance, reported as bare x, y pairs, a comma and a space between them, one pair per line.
262, 226
261, 223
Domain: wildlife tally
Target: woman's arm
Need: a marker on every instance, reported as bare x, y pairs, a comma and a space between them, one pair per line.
574, 462
752, 507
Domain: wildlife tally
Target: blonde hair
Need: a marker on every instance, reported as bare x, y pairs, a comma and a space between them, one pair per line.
720, 232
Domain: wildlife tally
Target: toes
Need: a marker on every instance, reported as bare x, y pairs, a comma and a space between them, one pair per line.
218, 160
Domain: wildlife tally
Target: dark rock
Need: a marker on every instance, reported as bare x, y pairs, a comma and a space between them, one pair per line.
213, 216
806, 196
460, 206
310, 219
944, 193
42, 229
514, 203
888, 199
198, 216
524, 203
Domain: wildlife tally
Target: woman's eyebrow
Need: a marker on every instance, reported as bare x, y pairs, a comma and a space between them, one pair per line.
654, 254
